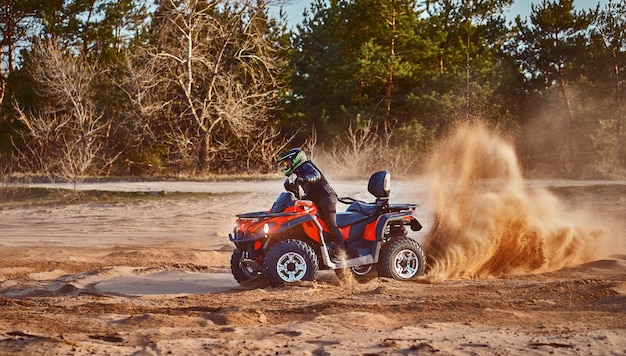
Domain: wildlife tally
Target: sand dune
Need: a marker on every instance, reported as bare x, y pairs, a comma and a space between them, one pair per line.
153, 277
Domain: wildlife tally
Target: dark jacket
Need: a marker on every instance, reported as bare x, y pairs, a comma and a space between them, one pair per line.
316, 187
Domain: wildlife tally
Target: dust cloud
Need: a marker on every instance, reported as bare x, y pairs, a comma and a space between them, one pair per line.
488, 223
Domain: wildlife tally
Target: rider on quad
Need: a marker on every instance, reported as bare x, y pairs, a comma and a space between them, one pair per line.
316, 188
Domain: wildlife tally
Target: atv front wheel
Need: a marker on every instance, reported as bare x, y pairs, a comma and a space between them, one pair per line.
402, 259
289, 261
240, 270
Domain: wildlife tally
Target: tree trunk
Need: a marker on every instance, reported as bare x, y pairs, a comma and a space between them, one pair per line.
203, 154
392, 53
467, 77
569, 121
620, 150
8, 39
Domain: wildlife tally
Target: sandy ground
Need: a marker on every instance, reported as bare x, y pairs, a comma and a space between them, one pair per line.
153, 277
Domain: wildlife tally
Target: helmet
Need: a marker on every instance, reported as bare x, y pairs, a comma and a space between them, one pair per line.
292, 159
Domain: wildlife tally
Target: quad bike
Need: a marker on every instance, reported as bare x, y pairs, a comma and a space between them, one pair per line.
290, 242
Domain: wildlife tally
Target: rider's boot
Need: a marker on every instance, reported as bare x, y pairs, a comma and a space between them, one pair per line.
337, 252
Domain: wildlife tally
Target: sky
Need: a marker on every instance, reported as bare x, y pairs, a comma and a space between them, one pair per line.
295, 8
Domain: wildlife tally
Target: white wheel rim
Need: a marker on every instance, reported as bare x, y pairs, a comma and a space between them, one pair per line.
291, 267
362, 270
406, 264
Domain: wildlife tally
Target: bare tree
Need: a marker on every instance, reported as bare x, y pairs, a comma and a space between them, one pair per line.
218, 70
401, 158
310, 144
64, 138
267, 144
6, 168
354, 153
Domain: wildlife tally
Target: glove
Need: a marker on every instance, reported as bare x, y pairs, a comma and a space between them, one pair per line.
289, 186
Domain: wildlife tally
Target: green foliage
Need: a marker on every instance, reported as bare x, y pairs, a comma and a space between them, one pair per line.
389, 74
356, 57
388, 62
570, 60
606, 78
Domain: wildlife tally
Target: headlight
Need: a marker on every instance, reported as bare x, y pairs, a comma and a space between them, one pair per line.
266, 228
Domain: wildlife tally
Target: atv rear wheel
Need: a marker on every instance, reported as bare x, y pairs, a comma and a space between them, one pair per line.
240, 270
290, 261
402, 259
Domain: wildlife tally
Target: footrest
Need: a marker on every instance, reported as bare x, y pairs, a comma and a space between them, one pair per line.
358, 252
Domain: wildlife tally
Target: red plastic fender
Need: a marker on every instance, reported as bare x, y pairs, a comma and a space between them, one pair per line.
370, 231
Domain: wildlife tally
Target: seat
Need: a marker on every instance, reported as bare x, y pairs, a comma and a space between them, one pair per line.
378, 186
350, 218
369, 209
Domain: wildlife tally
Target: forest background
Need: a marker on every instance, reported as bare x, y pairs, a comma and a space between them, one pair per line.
191, 88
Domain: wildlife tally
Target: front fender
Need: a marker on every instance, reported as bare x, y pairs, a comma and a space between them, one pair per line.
307, 224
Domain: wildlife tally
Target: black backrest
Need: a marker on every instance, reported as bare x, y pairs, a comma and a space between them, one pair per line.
379, 185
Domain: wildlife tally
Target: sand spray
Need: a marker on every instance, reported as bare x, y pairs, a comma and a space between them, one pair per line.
487, 222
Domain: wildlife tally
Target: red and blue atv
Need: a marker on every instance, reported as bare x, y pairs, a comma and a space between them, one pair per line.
291, 242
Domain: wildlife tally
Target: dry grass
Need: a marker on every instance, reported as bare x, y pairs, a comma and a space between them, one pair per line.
14, 196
